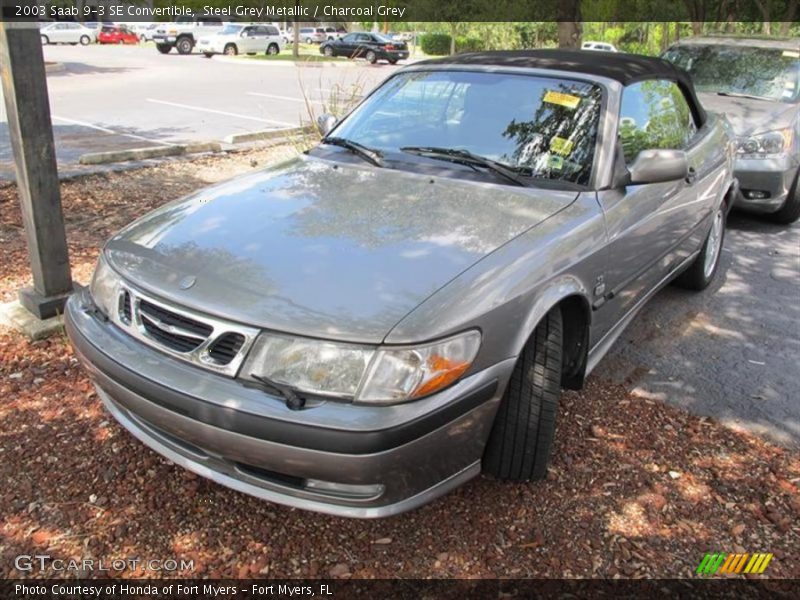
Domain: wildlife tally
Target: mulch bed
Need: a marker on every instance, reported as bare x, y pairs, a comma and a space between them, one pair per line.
636, 488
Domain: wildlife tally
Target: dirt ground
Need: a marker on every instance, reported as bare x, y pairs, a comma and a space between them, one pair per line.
636, 488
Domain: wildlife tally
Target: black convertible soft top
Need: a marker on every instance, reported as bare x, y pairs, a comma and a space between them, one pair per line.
625, 68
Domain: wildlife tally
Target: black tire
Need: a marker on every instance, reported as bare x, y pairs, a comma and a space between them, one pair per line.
392, 61
308, 40
251, 54
371, 57
328, 51
184, 45
164, 48
273, 49
230, 50
701, 273
208, 54
85, 41
522, 435
790, 211
142, 39
45, 40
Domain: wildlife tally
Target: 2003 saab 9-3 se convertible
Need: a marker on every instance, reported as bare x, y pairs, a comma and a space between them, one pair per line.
367, 326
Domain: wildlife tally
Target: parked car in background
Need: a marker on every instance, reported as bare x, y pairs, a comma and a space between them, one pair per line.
67, 33
370, 46
756, 84
373, 323
146, 33
312, 35
235, 39
117, 34
601, 46
184, 33
334, 33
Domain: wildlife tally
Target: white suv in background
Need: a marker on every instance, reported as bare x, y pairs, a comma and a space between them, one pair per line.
235, 39
601, 46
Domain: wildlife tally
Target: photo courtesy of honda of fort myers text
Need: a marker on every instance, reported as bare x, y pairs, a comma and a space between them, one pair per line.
399, 299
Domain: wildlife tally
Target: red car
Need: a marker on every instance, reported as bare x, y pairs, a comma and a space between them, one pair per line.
117, 35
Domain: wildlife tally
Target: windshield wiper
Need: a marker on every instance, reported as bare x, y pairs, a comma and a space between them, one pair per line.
738, 95
372, 156
467, 158
293, 401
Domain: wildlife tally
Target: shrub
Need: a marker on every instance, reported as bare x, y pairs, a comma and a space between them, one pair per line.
435, 44
470, 44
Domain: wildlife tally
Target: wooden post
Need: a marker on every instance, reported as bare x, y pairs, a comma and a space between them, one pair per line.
30, 129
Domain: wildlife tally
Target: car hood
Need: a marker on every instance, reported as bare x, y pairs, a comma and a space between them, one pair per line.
749, 116
322, 249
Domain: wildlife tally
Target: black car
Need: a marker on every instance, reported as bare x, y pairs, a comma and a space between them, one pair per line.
371, 46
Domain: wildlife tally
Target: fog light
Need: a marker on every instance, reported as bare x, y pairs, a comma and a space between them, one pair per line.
755, 194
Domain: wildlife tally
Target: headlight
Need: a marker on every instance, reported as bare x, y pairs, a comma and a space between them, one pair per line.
765, 144
362, 373
105, 287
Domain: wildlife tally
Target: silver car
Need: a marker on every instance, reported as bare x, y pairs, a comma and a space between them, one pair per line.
756, 84
367, 326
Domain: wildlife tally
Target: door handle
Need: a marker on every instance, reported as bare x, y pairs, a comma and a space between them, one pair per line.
691, 176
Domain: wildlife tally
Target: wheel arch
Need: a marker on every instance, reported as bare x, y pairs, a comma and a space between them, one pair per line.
571, 297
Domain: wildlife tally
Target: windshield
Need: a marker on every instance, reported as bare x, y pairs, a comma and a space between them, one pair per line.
542, 127
230, 29
768, 73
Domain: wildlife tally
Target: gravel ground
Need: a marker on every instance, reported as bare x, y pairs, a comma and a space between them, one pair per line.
636, 489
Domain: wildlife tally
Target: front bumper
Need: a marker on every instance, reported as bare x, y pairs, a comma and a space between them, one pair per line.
164, 39
771, 178
336, 458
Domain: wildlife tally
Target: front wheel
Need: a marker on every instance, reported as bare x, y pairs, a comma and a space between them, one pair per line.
308, 40
702, 271
524, 428
85, 40
45, 40
164, 48
790, 211
273, 49
184, 46
371, 57
230, 50
328, 52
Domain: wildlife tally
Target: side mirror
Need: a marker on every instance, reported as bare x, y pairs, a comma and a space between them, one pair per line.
325, 123
657, 166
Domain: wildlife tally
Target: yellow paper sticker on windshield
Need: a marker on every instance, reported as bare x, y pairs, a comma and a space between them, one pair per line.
791, 54
561, 146
562, 99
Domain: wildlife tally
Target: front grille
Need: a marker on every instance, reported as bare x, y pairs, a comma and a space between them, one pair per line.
225, 349
125, 310
208, 342
174, 331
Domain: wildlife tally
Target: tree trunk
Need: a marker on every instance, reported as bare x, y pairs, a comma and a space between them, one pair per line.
570, 31
764, 8
788, 18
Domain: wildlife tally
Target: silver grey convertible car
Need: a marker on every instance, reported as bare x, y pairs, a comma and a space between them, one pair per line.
367, 326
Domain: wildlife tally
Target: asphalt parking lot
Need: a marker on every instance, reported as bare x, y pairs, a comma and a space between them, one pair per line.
127, 97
